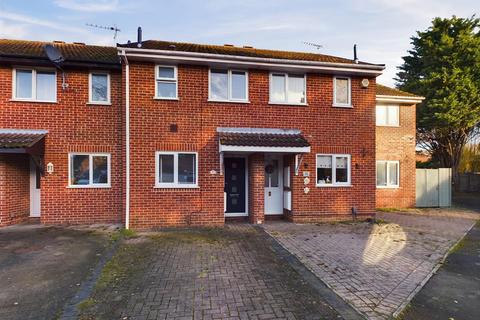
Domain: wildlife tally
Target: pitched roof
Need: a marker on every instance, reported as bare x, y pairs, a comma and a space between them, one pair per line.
387, 91
238, 51
15, 138
261, 138
72, 52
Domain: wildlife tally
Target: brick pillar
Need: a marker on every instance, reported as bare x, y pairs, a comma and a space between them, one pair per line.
256, 188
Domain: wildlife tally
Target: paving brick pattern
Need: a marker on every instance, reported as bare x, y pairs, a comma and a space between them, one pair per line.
230, 274
373, 267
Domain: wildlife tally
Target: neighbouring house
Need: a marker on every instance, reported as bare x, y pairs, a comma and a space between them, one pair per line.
159, 133
395, 145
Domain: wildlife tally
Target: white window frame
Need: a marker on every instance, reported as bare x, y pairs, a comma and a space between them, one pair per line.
169, 80
175, 183
286, 102
229, 86
90, 170
342, 105
387, 177
90, 91
387, 106
34, 84
334, 171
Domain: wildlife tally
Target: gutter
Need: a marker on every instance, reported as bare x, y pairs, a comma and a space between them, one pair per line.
255, 61
127, 140
399, 99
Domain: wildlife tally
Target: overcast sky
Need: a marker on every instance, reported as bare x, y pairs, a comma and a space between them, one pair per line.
381, 28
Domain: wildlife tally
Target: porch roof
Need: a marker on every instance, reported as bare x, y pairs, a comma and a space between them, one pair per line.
262, 140
20, 138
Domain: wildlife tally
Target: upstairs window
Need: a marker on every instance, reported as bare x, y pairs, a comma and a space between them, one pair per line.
228, 85
166, 82
35, 85
89, 170
388, 115
333, 170
99, 92
342, 92
288, 88
176, 170
388, 174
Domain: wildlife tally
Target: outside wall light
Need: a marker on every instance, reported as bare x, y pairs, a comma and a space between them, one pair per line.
49, 168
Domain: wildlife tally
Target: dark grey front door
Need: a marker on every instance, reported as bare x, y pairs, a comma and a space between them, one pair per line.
235, 184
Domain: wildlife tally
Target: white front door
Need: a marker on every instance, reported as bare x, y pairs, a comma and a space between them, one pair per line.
34, 190
273, 185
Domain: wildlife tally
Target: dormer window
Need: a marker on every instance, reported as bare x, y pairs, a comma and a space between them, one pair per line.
34, 85
287, 88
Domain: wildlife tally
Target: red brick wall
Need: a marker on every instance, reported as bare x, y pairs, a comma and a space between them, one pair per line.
14, 189
330, 130
256, 188
74, 126
398, 143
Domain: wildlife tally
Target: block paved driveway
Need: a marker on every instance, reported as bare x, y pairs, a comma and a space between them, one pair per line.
375, 267
229, 273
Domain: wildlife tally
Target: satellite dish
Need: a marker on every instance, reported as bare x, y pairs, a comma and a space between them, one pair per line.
53, 54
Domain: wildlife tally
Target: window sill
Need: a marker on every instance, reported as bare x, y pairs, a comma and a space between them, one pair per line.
176, 186
388, 126
89, 187
229, 101
347, 106
287, 103
388, 187
92, 103
31, 100
333, 185
168, 99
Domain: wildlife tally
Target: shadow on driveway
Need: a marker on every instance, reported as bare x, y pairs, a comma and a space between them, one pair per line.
42, 267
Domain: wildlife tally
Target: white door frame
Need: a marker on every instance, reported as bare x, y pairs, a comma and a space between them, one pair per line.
236, 214
35, 194
279, 190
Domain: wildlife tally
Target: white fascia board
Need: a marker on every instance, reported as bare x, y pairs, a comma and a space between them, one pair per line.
226, 148
383, 98
242, 61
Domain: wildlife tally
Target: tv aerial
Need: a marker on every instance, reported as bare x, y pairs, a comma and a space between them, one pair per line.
56, 57
110, 28
311, 44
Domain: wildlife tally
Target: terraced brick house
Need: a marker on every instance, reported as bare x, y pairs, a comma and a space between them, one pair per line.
157, 133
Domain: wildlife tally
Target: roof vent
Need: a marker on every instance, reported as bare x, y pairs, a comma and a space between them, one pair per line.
248, 47
80, 43
139, 37
228, 45
58, 41
172, 46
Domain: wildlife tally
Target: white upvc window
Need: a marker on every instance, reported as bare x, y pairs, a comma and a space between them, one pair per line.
228, 85
388, 115
388, 174
89, 170
38, 85
99, 87
333, 170
288, 88
166, 82
176, 169
342, 92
